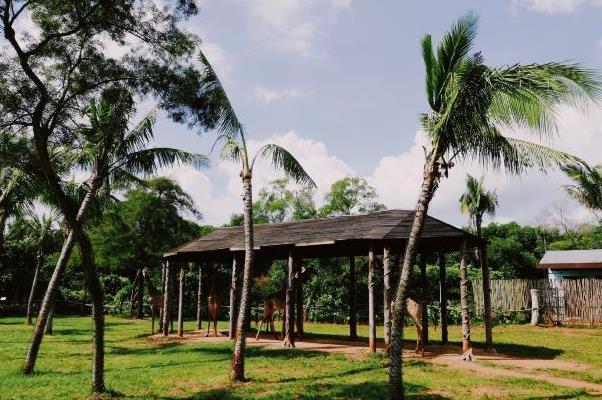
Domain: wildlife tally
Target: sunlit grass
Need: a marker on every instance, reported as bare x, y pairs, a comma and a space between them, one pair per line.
139, 368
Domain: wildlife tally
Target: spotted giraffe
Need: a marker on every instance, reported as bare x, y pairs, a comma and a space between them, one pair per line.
156, 298
413, 309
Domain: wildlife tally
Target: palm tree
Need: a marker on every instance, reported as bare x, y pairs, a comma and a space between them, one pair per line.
477, 201
587, 187
41, 231
234, 148
114, 154
471, 105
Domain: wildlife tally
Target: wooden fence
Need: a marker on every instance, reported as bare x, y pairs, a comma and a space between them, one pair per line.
561, 301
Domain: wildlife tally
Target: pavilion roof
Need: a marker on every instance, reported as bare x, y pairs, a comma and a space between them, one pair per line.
335, 236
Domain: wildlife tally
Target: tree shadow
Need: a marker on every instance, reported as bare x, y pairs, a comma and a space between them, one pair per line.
360, 391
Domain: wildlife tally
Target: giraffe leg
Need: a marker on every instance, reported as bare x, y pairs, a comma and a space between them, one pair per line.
259, 330
215, 326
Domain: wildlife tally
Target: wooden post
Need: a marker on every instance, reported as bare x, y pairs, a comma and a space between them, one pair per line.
424, 318
299, 303
233, 288
534, 307
486, 300
181, 302
371, 315
443, 297
352, 300
387, 295
466, 343
166, 302
199, 298
289, 338
162, 309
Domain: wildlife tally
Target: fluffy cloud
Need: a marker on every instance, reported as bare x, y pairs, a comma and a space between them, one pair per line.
555, 6
268, 96
218, 203
535, 198
291, 25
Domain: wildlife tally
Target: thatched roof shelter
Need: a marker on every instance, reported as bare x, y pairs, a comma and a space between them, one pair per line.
348, 235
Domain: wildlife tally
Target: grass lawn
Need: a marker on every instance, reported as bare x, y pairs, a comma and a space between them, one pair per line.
137, 368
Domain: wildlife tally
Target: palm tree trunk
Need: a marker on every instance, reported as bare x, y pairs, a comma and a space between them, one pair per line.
199, 299
466, 344
96, 295
429, 185
237, 372
166, 300
49, 296
50, 319
181, 302
34, 285
140, 310
38, 332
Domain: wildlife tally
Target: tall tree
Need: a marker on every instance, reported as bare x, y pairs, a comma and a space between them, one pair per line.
113, 154
470, 102
41, 232
350, 195
587, 186
52, 73
477, 201
234, 148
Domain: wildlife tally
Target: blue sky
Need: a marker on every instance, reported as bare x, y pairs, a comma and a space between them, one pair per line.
340, 82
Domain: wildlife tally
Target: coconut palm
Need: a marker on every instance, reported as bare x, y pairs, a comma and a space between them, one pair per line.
41, 231
234, 148
113, 154
587, 187
477, 201
472, 106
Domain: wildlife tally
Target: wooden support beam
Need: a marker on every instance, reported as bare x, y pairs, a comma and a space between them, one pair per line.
181, 302
424, 318
443, 297
486, 299
352, 300
162, 309
299, 301
371, 305
466, 343
289, 313
199, 297
387, 295
166, 302
233, 291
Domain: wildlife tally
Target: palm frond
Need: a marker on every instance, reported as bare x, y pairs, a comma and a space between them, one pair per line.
282, 159
231, 150
226, 120
147, 161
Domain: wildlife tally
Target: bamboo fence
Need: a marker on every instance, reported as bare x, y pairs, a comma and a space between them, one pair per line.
560, 301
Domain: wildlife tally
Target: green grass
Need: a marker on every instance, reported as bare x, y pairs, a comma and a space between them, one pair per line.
138, 368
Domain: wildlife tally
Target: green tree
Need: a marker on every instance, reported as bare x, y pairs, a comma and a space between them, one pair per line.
234, 148
469, 102
41, 232
350, 195
477, 201
113, 154
587, 186
55, 72
135, 232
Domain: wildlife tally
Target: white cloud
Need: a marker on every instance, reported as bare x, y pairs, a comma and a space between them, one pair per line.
291, 25
555, 6
534, 198
218, 204
268, 96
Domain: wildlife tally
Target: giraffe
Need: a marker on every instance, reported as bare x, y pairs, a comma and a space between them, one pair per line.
277, 302
413, 309
156, 298
212, 302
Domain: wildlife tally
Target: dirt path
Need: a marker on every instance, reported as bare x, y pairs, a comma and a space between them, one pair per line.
486, 364
521, 368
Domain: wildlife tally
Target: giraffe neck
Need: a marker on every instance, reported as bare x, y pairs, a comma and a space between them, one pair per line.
152, 290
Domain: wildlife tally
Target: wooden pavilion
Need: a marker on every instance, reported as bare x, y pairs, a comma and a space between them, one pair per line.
382, 233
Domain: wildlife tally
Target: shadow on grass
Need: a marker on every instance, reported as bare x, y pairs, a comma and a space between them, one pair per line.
364, 390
